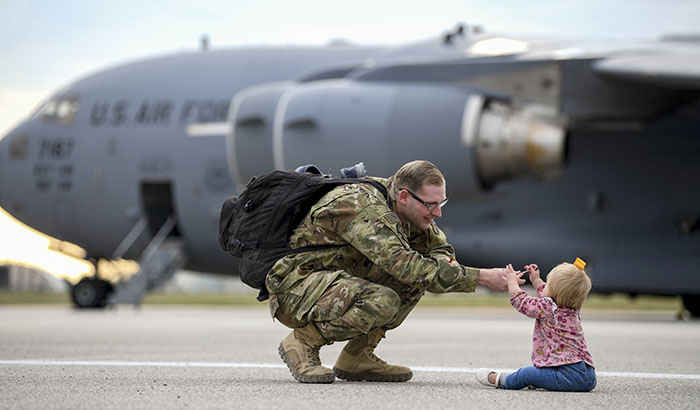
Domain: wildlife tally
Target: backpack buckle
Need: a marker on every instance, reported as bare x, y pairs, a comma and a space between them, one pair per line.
237, 245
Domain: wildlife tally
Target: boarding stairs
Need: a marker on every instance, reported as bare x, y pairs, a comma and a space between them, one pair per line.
161, 258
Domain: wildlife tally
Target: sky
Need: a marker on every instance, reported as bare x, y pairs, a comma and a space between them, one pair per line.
46, 44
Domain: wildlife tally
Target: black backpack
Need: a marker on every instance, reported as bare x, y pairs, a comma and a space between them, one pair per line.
256, 225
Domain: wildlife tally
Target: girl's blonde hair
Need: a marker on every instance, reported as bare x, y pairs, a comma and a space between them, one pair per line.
568, 285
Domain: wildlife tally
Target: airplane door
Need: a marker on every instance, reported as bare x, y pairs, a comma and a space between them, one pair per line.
157, 204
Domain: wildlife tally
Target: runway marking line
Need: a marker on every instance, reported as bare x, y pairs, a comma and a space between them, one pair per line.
640, 375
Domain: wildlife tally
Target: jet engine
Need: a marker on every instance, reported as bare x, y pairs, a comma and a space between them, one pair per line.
475, 140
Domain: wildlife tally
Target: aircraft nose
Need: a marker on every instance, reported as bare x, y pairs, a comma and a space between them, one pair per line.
3, 157
14, 164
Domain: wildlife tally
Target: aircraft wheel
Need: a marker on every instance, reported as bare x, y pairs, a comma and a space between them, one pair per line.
90, 293
692, 304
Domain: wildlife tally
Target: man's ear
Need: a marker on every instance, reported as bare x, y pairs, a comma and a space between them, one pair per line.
402, 197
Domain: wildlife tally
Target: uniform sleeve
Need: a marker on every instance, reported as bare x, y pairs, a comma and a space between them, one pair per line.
437, 247
536, 308
376, 231
431, 242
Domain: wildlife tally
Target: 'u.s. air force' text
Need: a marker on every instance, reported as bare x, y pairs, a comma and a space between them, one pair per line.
157, 112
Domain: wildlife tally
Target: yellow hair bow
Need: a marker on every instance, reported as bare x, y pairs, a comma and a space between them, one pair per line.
579, 263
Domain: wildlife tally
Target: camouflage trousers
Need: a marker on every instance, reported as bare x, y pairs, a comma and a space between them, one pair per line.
349, 307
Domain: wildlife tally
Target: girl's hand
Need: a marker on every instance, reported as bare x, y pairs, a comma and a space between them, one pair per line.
511, 275
534, 272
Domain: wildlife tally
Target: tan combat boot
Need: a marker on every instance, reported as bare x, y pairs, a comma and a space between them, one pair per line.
299, 351
358, 362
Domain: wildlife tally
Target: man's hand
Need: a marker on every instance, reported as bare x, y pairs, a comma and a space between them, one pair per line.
494, 279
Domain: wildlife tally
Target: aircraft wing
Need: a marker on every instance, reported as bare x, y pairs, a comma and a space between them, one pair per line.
667, 70
628, 85
442, 70
673, 70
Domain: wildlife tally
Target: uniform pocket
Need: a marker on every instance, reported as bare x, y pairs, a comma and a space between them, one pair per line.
334, 302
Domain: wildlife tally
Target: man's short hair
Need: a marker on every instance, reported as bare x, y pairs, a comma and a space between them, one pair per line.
415, 174
568, 285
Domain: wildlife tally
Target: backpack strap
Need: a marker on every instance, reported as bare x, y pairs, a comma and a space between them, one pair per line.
381, 188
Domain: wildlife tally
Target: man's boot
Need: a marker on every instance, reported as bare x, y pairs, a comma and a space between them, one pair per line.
299, 351
358, 362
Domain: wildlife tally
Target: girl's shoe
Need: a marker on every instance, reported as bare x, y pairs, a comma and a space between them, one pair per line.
482, 375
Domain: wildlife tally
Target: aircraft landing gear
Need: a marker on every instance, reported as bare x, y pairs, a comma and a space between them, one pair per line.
91, 293
692, 304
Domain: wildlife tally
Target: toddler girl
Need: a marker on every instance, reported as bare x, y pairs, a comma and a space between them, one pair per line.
559, 352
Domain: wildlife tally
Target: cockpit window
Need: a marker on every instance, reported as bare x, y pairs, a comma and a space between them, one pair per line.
59, 110
49, 109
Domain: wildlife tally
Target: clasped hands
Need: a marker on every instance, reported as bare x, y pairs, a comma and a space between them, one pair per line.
497, 278
512, 276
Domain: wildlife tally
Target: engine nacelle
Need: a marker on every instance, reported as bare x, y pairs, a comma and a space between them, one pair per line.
339, 122
249, 142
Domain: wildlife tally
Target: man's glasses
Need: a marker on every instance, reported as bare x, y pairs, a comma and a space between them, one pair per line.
428, 205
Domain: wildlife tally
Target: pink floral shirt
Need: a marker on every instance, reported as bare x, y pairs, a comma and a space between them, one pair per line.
558, 335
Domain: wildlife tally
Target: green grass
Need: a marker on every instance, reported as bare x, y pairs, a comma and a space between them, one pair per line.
14, 298
201, 299
595, 301
29, 298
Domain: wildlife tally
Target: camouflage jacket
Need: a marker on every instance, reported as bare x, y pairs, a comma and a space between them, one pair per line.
374, 245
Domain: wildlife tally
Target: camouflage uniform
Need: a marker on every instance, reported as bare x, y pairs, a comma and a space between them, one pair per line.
374, 278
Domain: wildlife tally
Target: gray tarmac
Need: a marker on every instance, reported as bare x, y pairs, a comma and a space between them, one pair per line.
226, 357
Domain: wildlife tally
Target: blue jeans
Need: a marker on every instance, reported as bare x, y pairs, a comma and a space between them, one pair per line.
569, 377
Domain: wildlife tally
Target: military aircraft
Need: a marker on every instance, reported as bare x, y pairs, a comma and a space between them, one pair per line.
552, 150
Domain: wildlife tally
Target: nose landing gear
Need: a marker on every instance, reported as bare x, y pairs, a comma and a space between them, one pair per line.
91, 293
